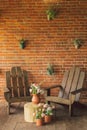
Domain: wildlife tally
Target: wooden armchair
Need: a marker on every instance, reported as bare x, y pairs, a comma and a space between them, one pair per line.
17, 87
70, 88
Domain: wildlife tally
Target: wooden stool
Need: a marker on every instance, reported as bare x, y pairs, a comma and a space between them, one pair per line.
29, 109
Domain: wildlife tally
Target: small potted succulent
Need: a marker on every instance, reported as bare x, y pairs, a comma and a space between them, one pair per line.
22, 43
35, 90
77, 43
50, 14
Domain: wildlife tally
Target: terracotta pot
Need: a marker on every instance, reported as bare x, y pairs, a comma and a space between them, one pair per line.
39, 122
47, 119
35, 99
22, 45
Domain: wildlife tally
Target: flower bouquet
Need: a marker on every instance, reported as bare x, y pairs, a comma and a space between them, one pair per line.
35, 90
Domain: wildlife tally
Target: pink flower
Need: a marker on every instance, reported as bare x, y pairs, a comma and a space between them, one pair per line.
45, 105
53, 107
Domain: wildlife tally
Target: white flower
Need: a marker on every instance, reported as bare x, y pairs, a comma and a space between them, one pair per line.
42, 115
30, 90
41, 92
43, 110
38, 91
40, 104
51, 114
49, 108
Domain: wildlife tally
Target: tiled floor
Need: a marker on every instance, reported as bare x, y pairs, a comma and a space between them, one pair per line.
62, 121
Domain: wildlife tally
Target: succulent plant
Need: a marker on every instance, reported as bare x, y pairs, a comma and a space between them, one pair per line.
50, 70
77, 43
22, 43
50, 14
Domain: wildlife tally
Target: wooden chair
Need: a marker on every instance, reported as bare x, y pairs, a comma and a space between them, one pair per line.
17, 87
70, 88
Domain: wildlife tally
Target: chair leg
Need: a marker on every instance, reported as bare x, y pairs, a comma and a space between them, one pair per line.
70, 110
8, 108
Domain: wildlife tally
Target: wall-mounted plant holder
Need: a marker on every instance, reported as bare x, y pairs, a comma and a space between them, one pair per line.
22, 43
50, 70
51, 13
77, 43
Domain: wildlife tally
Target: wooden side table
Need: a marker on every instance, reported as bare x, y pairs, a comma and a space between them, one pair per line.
29, 109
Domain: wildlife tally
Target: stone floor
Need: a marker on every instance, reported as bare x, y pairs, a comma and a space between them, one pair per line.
15, 121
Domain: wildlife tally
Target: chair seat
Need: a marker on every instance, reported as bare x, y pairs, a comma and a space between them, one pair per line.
19, 99
58, 100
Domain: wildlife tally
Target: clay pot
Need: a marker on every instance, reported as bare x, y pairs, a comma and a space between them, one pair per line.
35, 99
47, 119
22, 46
39, 122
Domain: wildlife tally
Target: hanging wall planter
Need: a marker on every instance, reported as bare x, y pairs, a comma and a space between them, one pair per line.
50, 70
22, 43
77, 43
50, 14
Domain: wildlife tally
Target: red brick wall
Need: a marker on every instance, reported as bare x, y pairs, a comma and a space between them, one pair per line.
47, 41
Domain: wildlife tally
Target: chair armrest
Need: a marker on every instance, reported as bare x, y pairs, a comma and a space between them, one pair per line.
73, 95
54, 86
7, 94
47, 90
6, 90
71, 98
76, 91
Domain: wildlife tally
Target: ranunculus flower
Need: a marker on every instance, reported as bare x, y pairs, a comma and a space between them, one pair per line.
53, 107
51, 114
41, 91
42, 115
45, 105
38, 90
40, 104
49, 108
30, 90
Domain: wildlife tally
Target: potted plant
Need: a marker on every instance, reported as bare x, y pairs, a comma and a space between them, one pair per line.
50, 14
35, 90
22, 43
48, 111
50, 70
77, 43
39, 114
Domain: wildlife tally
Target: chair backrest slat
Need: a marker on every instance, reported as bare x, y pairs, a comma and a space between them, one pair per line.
75, 79
8, 81
69, 83
65, 78
63, 84
14, 82
80, 85
20, 81
26, 83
